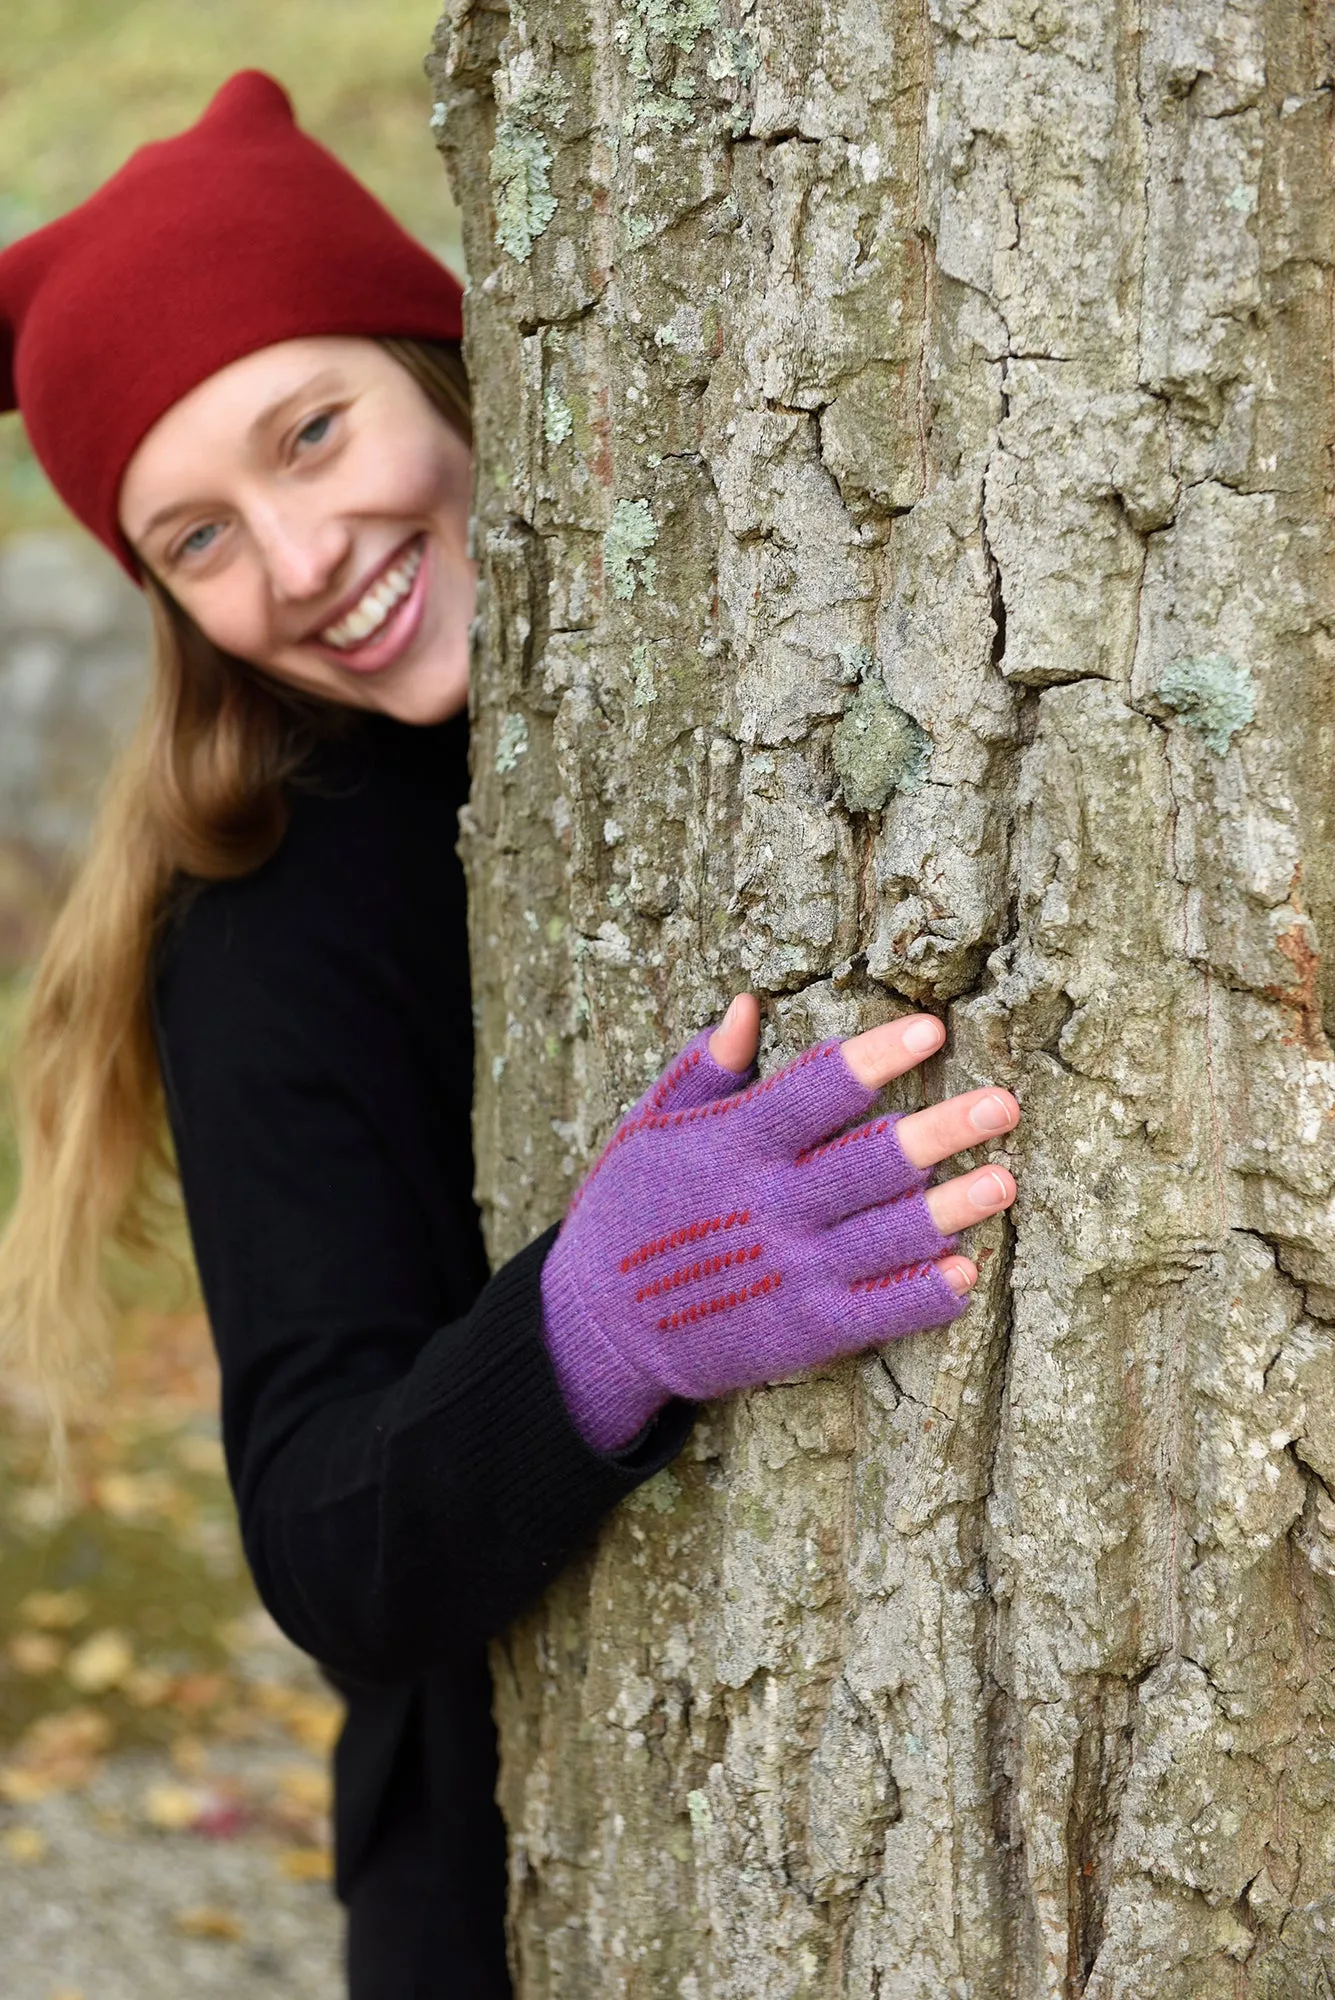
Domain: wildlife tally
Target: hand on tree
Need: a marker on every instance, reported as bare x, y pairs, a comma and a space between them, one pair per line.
927, 1137
736, 1231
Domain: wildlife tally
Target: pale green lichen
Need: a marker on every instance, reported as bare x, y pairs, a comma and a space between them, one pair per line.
644, 687
511, 743
636, 230
631, 534
735, 58
651, 25
658, 1495
698, 1806
520, 164
647, 31
1213, 695
557, 420
439, 114
879, 749
521, 159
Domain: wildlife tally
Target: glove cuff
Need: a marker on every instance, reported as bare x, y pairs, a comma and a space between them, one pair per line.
609, 1399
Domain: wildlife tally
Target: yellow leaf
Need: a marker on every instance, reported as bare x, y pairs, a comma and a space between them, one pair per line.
147, 1687
128, 1496
200, 1454
171, 1808
305, 1786
25, 1788
190, 1757
207, 1922
306, 1864
25, 1845
36, 1652
55, 1610
100, 1663
314, 1721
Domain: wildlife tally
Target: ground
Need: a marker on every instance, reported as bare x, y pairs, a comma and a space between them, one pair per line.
164, 1752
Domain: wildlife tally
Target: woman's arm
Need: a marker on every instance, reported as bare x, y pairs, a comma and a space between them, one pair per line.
407, 1475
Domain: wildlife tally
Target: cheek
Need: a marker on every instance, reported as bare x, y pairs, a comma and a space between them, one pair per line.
413, 473
231, 616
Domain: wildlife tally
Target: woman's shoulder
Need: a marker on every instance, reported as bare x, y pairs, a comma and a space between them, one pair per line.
365, 865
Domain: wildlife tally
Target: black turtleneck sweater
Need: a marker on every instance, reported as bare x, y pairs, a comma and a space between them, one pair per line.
407, 1475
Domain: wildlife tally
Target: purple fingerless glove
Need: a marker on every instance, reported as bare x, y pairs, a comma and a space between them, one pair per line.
726, 1237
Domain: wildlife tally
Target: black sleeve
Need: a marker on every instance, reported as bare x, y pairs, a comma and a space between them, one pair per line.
407, 1474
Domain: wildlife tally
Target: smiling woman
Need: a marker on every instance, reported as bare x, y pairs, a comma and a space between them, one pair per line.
245, 379
329, 544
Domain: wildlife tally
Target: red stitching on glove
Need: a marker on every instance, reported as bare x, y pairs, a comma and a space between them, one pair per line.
668, 1083
810, 1153
690, 1233
708, 1267
690, 1314
890, 1278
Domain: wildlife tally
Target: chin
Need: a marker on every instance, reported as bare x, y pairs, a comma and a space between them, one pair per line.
435, 699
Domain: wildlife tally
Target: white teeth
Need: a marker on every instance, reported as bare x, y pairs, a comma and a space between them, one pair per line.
365, 617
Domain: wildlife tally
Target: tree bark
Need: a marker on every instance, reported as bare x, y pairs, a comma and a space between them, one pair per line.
904, 468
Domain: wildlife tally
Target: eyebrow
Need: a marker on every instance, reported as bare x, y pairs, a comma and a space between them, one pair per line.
269, 416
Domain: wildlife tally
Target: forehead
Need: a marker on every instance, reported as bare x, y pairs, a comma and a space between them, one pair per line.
222, 419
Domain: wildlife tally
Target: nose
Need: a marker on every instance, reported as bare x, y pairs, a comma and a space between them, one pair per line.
304, 551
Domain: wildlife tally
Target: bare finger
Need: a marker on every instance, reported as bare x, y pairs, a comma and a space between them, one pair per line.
956, 1124
970, 1198
896, 1046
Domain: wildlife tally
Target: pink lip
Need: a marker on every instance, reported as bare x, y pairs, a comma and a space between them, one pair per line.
394, 636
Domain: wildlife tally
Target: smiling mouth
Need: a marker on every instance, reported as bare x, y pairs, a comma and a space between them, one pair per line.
373, 611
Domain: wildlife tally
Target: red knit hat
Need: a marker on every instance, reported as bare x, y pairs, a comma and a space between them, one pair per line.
237, 233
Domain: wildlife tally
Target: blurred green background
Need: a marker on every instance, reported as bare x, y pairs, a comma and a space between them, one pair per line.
84, 82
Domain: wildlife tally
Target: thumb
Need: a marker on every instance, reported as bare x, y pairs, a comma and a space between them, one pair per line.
734, 1042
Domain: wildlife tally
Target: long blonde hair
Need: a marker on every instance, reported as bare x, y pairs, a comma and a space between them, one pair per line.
199, 795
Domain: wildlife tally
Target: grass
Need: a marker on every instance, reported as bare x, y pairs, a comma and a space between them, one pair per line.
84, 82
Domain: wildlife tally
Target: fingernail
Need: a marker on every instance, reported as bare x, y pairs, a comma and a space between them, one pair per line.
726, 1022
990, 1114
987, 1191
957, 1279
922, 1036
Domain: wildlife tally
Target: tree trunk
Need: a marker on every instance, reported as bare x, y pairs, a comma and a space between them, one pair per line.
904, 507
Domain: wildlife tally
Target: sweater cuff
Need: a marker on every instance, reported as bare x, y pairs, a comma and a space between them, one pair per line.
547, 1485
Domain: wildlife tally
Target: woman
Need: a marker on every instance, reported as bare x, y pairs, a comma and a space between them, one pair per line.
245, 380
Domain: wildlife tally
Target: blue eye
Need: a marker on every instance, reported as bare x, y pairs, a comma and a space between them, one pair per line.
315, 431
192, 545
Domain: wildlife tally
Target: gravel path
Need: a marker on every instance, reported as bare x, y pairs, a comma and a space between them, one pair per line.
95, 1904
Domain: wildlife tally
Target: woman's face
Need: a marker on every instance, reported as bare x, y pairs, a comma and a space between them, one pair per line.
308, 507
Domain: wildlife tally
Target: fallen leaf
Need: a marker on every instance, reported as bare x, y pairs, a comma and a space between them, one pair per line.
57, 1754
147, 1687
25, 1845
101, 1662
203, 1455
207, 1922
171, 1808
129, 1496
306, 1864
193, 1692
223, 1816
189, 1756
306, 1786
314, 1720
55, 1610
36, 1652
